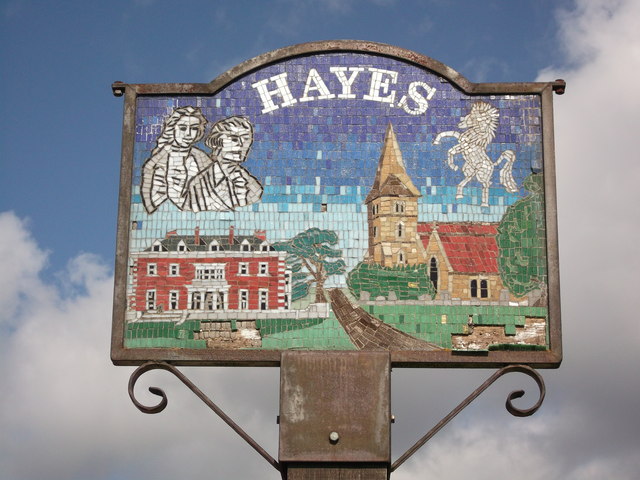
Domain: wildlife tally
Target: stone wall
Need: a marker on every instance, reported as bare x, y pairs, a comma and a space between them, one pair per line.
241, 334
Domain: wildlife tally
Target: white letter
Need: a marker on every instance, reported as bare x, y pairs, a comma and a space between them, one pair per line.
282, 89
422, 102
346, 83
378, 83
319, 85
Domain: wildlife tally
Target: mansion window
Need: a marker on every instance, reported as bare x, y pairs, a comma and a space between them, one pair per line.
210, 272
157, 247
151, 299
214, 300
243, 268
264, 247
263, 299
245, 247
208, 300
263, 269
174, 269
196, 301
152, 269
214, 246
244, 300
173, 300
482, 291
182, 247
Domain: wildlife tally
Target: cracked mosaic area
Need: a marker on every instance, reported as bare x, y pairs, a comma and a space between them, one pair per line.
338, 201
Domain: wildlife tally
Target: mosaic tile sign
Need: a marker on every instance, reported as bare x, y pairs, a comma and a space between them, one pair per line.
337, 196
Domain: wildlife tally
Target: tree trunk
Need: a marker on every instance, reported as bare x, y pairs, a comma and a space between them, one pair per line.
320, 297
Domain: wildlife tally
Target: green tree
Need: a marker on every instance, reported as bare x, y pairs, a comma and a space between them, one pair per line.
522, 241
312, 259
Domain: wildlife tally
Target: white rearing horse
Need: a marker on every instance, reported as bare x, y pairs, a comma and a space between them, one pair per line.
480, 126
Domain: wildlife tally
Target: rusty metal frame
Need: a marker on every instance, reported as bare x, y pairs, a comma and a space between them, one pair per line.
281, 467
138, 356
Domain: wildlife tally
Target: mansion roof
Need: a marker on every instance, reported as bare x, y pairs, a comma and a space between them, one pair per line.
192, 243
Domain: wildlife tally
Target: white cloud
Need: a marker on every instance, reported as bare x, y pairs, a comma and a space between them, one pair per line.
21, 262
587, 427
65, 412
64, 409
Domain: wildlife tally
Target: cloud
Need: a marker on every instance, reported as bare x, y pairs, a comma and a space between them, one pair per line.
21, 262
65, 412
587, 426
64, 409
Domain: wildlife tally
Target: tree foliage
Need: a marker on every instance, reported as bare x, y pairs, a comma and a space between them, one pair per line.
407, 282
312, 258
522, 241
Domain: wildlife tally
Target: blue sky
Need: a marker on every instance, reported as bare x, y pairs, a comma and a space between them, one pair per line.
60, 141
61, 60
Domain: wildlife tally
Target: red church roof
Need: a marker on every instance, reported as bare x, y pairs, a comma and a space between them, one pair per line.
469, 247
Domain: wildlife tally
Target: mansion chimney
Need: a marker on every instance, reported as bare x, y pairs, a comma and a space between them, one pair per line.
231, 235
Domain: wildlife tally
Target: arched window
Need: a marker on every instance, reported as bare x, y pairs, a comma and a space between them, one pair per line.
400, 230
474, 288
399, 207
433, 272
484, 289
401, 258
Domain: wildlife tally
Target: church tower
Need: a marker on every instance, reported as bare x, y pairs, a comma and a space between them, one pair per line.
392, 211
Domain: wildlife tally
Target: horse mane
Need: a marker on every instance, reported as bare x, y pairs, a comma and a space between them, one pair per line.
482, 123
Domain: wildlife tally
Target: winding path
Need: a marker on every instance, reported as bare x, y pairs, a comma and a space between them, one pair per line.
367, 332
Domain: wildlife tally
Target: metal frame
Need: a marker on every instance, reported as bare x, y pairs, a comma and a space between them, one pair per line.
540, 359
391, 467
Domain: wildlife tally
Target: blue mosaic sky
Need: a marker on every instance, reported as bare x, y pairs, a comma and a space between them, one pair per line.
325, 151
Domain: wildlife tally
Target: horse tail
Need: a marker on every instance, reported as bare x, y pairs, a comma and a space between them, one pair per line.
506, 173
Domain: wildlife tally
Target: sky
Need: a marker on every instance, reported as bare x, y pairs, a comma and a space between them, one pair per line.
64, 408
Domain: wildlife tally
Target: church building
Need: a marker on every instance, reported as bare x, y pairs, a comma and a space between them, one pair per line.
462, 258
392, 211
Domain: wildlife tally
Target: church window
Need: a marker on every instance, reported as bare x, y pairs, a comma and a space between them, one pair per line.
399, 207
474, 288
433, 272
484, 289
400, 230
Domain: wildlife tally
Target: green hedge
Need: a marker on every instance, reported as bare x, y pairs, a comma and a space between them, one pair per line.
407, 282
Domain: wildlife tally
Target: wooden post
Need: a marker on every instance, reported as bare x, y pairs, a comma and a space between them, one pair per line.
335, 415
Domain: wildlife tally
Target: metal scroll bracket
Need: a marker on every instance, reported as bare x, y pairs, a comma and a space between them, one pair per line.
163, 403
476, 393
292, 467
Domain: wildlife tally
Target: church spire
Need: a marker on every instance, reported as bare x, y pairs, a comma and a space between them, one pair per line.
391, 176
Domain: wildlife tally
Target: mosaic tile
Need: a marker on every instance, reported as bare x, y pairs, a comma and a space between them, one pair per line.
337, 201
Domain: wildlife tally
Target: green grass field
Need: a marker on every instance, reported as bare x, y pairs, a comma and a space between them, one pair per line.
432, 323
